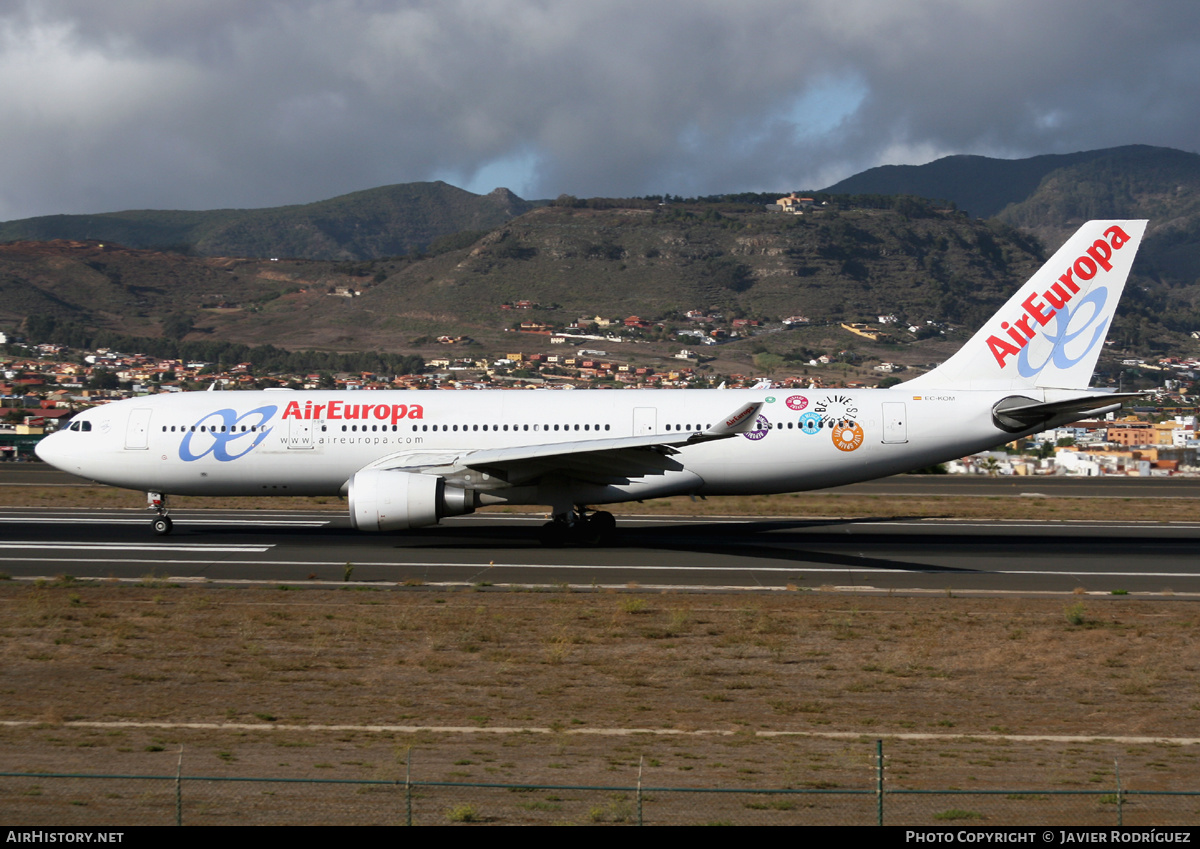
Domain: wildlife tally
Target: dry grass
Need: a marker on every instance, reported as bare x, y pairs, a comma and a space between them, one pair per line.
966, 669
798, 662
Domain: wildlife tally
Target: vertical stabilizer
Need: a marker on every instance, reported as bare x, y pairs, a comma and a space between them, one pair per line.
1049, 334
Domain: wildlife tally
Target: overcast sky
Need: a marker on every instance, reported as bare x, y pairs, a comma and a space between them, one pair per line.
200, 104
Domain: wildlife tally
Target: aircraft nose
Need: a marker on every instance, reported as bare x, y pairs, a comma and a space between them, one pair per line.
50, 450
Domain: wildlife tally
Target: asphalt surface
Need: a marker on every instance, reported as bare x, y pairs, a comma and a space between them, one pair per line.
504, 550
39, 474
296, 547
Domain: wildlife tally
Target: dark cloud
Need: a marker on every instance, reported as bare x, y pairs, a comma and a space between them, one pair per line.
218, 103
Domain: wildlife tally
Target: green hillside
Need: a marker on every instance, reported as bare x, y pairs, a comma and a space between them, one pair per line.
661, 262
1051, 196
978, 185
400, 265
656, 262
387, 221
1160, 184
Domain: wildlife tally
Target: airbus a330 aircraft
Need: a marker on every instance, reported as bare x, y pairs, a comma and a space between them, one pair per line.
406, 459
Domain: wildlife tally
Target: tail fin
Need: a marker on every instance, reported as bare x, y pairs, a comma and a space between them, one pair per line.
1049, 334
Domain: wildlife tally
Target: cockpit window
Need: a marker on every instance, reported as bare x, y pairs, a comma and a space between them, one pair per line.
84, 426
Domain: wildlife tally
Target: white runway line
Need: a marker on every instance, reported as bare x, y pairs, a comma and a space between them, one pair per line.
250, 548
21, 520
485, 568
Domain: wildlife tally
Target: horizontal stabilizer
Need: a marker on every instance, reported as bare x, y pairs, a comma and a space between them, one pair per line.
1017, 413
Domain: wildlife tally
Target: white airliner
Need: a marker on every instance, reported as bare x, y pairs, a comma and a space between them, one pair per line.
406, 459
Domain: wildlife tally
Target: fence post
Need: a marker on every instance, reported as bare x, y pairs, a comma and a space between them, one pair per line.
179, 789
641, 761
1120, 794
408, 787
879, 781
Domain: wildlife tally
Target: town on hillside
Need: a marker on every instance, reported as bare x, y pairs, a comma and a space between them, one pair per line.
43, 385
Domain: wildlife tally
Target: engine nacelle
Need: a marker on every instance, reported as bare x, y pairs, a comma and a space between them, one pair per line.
382, 500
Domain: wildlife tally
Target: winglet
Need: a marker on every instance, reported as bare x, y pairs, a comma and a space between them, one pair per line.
742, 420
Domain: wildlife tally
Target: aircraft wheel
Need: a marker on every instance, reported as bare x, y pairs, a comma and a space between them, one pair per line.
553, 534
599, 528
603, 521
162, 525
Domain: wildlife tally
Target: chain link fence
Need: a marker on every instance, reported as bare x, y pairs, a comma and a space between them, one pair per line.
125, 800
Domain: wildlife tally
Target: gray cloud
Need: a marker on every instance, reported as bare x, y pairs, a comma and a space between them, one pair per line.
219, 103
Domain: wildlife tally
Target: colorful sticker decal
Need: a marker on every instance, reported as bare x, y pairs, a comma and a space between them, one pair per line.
836, 408
810, 423
847, 435
760, 429
770, 399
223, 432
797, 402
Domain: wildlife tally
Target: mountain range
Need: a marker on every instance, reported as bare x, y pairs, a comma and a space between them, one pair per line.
384, 268
387, 221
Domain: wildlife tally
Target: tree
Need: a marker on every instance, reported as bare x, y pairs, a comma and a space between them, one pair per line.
177, 325
767, 362
102, 379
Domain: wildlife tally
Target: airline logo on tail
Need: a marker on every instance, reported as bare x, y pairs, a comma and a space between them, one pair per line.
1053, 306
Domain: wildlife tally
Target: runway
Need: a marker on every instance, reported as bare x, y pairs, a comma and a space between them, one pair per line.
39, 474
503, 551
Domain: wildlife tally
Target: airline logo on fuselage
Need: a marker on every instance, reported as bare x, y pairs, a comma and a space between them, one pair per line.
342, 411
226, 434
1052, 305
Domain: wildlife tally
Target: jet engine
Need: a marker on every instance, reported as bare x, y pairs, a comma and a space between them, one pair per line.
382, 500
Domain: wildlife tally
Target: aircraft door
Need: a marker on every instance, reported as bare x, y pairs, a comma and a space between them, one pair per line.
300, 434
895, 422
645, 420
137, 432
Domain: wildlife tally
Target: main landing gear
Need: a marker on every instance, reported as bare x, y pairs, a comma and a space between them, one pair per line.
579, 527
161, 523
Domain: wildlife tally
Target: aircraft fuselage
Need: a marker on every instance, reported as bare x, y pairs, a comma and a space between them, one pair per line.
311, 443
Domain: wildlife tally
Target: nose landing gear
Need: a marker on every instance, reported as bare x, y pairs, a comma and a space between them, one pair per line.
161, 523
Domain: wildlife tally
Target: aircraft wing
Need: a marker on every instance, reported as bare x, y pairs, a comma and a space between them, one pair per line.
610, 460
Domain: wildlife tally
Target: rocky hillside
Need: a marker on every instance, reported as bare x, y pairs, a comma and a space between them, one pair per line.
657, 262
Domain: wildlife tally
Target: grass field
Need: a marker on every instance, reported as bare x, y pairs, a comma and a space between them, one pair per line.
718, 690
